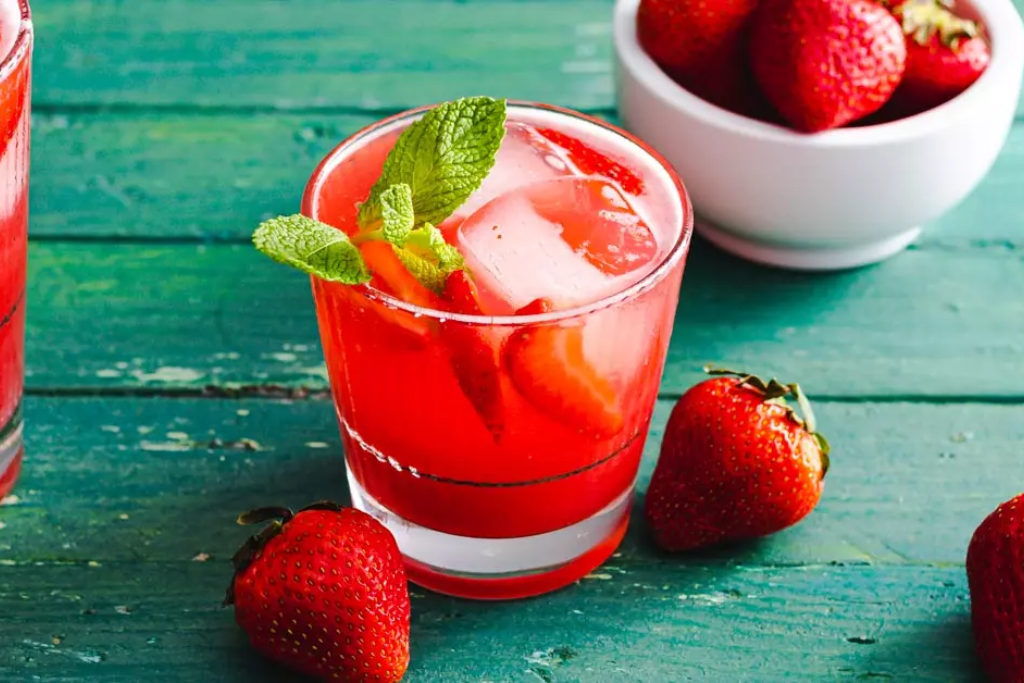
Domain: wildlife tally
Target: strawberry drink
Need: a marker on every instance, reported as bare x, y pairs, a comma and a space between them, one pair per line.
16, 49
495, 375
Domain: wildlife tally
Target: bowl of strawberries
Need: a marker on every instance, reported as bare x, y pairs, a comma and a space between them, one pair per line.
821, 134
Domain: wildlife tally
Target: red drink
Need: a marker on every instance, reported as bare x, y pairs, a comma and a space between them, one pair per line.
15, 87
534, 490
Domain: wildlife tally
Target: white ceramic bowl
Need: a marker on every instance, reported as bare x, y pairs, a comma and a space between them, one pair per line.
832, 200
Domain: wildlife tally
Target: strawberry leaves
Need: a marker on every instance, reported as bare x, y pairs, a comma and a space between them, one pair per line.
777, 392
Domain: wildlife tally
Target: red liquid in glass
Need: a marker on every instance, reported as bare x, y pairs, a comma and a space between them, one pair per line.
14, 160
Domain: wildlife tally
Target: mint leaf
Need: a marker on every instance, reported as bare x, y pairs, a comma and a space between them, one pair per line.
429, 241
443, 158
313, 247
397, 213
426, 272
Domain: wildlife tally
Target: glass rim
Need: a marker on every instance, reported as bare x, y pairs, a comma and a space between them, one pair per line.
19, 50
665, 265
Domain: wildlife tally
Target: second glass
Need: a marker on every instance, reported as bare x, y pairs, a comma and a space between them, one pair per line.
15, 115
535, 491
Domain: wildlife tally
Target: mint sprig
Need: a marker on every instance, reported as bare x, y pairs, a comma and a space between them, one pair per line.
312, 247
443, 158
397, 214
436, 164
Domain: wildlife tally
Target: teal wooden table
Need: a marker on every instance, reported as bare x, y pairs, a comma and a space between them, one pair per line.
175, 377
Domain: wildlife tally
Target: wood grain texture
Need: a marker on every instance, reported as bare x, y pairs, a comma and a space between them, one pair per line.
645, 623
99, 580
166, 129
166, 175
363, 54
161, 480
931, 323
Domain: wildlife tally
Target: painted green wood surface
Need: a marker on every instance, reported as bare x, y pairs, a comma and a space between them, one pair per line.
647, 623
356, 54
934, 322
902, 491
121, 494
164, 129
137, 175
139, 621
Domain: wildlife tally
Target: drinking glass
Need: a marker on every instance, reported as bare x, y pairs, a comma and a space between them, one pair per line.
543, 505
15, 98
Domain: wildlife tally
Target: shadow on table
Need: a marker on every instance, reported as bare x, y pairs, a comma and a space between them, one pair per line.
716, 275
734, 309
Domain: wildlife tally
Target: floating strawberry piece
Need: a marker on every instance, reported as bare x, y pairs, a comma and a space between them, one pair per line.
537, 307
589, 161
946, 54
702, 45
995, 575
13, 103
324, 591
390, 276
474, 357
547, 366
826, 63
735, 463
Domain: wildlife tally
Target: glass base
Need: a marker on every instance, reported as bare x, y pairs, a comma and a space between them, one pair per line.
502, 568
11, 451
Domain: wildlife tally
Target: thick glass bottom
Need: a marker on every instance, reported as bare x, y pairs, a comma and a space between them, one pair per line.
11, 451
502, 568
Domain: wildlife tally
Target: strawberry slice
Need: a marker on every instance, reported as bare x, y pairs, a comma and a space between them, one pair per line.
389, 275
589, 161
474, 357
12, 103
547, 366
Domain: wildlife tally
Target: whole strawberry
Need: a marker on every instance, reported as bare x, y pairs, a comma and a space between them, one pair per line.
323, 591
736, 463
995, 575
826, 63
702, 44
945, 55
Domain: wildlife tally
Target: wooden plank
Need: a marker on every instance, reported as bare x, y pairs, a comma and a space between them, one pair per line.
930, 323
123, 479
179, 175
99, 581
369, 54
161, 621
366, 54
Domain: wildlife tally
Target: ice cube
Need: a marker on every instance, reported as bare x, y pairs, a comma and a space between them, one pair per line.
598, 222
525, 157
572, 240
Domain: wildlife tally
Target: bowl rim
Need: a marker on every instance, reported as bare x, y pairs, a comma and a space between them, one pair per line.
1006, 37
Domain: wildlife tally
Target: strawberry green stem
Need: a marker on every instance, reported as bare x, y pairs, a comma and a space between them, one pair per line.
280, 516
776, 392
923, 19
